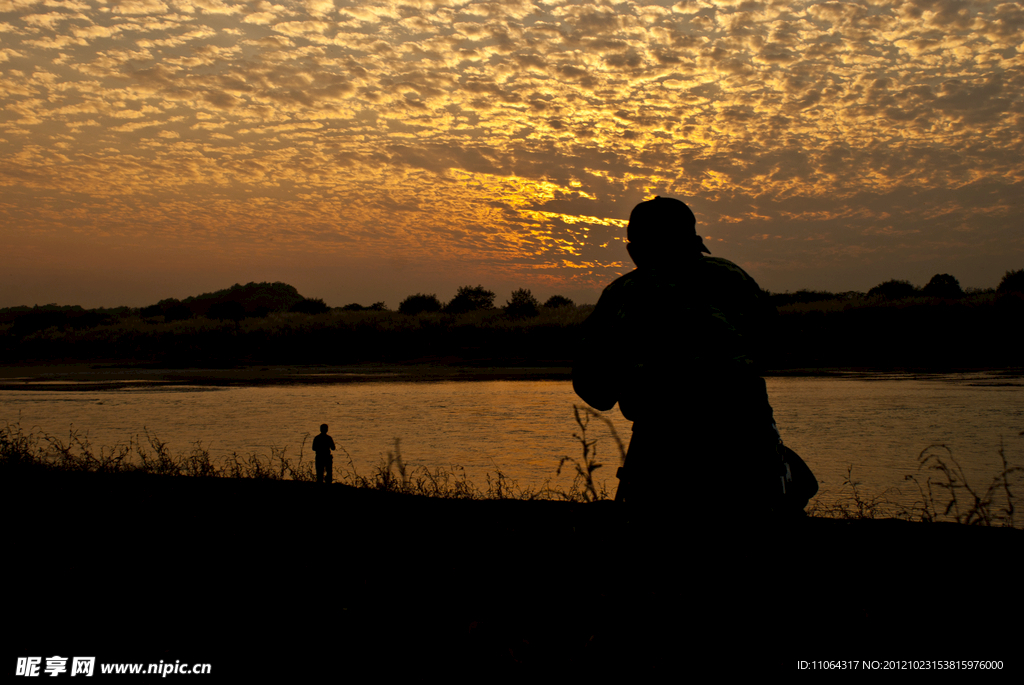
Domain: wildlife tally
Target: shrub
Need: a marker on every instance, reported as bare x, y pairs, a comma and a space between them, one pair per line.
356, 307
522, 305
419, 303
254, 297
310, 305
28, 321
1010, 299
802, 296
944, 286
1013, 282
556, 301
893, 290
159, 309
469, 298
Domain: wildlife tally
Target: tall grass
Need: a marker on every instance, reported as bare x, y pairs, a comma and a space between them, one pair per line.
24, 452
583, 486
964, 503
945, 494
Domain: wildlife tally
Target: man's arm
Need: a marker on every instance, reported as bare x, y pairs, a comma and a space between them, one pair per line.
591, 388
596, 376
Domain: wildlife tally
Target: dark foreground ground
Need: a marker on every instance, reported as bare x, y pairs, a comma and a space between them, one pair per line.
313, 582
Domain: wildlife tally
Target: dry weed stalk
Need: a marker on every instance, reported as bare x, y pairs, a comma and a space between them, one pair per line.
583, 487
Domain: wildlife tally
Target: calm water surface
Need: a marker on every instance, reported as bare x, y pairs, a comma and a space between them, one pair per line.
874, 426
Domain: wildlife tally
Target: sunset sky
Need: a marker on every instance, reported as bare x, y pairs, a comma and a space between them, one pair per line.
364, 151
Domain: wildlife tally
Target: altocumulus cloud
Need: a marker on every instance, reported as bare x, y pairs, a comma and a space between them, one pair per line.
514, 136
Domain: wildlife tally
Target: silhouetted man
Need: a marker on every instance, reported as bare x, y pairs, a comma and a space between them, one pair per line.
323, 445
674, 343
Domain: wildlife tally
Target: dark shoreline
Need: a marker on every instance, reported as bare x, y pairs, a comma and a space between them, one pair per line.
79, 376
294, 578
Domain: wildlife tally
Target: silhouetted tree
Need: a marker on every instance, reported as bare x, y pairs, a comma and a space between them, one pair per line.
310, 306
1010, 299
522, 305
469, 298
254, 297
1013, 282
802, 296
226, 311
943, 285
171, 309
48, 316
893, 290
356, 307
556, 301
419, 303
177, 312
151, 311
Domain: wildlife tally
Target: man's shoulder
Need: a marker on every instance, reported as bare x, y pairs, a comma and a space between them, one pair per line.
713, 272
621, 288
623, 281
720, 265
723, 273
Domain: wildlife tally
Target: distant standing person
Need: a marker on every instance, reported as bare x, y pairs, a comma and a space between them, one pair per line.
323, 445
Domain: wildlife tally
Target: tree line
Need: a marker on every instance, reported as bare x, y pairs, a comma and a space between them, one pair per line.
941, 286
894, 323
522, 304
258, 300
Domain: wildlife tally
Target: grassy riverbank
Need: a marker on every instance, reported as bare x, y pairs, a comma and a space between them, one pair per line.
35, 454
945, 493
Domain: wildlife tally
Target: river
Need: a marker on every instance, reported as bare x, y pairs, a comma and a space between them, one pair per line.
872, 427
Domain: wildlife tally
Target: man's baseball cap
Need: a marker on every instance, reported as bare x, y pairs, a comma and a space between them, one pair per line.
663, 220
